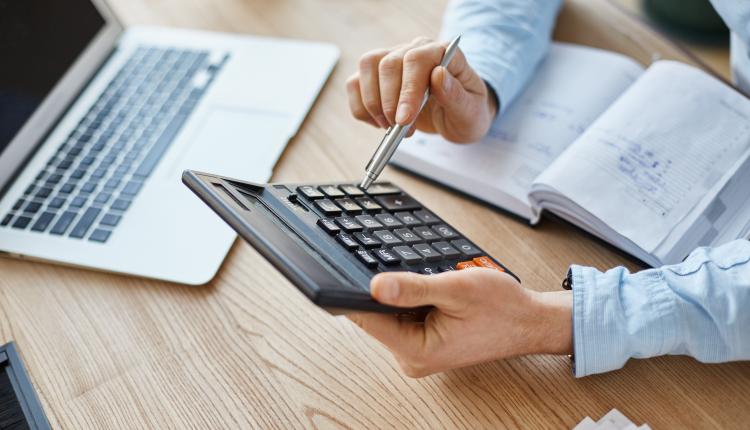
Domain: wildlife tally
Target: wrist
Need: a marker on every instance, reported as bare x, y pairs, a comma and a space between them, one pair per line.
553, 330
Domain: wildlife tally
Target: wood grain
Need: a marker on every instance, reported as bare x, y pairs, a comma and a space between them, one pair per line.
249, 351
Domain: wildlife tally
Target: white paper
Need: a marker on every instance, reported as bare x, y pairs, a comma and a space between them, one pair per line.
572, 87
645, 164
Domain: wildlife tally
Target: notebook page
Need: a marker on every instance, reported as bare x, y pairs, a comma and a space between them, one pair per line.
648, 161
571, 88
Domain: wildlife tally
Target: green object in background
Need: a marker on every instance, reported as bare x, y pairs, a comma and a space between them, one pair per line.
691, 18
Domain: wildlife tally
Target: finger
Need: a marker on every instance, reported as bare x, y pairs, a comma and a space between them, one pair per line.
355, 101
390, 73
399, 337
417, 68
450, 291
369, 85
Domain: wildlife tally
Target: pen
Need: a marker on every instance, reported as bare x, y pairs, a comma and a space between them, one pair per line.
396, 133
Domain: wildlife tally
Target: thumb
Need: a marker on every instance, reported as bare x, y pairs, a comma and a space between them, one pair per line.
406, 289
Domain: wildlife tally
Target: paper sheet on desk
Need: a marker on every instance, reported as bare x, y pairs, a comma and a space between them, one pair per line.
651, 158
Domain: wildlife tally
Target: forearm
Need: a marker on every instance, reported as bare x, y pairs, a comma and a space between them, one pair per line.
696, 308
504, 40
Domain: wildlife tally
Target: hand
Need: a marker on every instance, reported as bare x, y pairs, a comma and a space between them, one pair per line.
480, 315
390, 84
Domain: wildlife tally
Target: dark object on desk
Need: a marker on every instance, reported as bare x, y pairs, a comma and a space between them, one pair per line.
19, 405
330, 240
696, 19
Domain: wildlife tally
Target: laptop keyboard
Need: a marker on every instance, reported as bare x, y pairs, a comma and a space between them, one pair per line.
91, 181
386, 230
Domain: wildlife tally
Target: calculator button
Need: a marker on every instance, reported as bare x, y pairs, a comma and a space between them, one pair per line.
446, 268
328, 225
346, 240
309, 191
389, 220
445, 249
382, 189
367, 240
398, 202
427, 252
368, 222
352, 190
485, 261
465, 265
328, 207
387, 256
426, 216
408, 218
466, 247
366, 257
368, 203
331, 191
445, 232
408, 255
429, 270
349, 205
348, 224
407, 235
387, 237
426, 233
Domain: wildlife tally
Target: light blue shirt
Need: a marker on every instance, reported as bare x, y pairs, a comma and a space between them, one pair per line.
700, 307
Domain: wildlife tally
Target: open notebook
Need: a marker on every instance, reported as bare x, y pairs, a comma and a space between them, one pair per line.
655, 161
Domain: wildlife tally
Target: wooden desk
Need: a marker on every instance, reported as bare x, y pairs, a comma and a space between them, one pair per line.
248, 350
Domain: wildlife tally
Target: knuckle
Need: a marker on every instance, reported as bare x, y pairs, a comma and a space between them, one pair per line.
414, 57
352, 82
390, 64
421, 40
369, 59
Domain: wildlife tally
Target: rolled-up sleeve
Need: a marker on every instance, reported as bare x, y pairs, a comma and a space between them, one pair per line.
700, 307
504, 40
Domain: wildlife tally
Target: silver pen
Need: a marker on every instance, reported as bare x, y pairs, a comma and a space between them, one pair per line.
396, 133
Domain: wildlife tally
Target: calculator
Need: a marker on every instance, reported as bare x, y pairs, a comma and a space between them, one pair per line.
330, 239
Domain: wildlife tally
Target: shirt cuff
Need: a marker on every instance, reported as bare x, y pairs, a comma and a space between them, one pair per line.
618, 315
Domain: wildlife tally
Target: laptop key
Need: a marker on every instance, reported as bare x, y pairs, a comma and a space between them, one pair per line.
466, 248
18, 204
132, 188
408, 255
388, 220
397, 202
328, 225
44, 221
56, 203
43, 193
78, 202
32, 208
84, 224
63, 223
100, 235
22, 222
428, 252
6, 220
110, 220
121, 204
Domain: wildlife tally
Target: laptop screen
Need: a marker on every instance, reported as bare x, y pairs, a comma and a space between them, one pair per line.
39, 41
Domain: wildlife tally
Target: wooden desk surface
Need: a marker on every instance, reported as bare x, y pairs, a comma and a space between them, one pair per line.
248, 350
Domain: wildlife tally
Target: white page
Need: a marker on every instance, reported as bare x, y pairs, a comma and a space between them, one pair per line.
571, 88
655, 154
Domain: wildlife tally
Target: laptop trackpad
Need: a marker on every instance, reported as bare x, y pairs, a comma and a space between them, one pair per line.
239, 143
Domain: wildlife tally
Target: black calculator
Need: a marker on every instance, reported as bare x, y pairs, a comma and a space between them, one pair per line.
329, 239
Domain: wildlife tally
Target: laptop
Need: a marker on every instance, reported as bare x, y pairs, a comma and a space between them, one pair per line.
97, 122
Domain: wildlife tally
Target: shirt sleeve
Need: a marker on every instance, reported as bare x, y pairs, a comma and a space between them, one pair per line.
503, 40
699, 307
737, 16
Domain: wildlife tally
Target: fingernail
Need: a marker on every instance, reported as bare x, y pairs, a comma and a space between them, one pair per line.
388, 291
402, 113
447, 81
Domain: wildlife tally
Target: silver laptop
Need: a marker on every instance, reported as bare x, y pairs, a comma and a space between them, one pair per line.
97, 124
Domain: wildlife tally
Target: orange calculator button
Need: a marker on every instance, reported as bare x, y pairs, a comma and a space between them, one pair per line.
465, 265
487, 262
